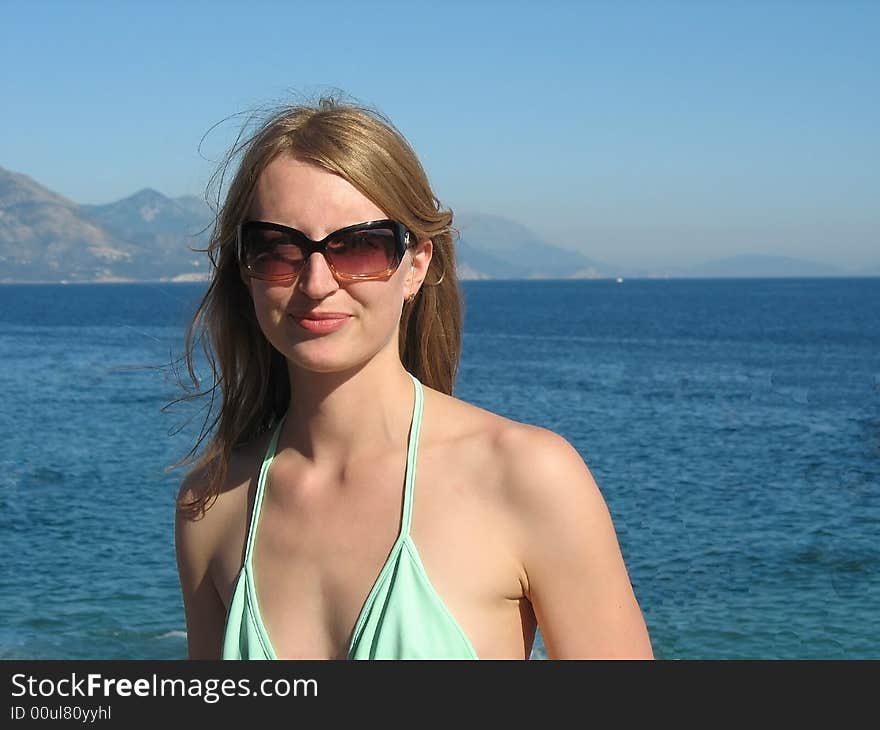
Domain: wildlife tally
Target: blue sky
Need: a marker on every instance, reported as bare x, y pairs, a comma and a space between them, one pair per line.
636, 132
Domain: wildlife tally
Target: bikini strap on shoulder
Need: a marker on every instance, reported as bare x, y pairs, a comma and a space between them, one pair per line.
412, 455
261, 486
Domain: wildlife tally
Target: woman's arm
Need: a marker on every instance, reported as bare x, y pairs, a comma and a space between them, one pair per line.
577, 581
205, 612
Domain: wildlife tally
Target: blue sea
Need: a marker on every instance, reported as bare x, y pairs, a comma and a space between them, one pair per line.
732, 425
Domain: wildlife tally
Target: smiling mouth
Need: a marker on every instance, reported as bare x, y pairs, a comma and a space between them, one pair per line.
318, 317
321, 324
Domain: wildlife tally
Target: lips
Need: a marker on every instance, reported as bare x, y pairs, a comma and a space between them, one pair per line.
321, 322
319, 315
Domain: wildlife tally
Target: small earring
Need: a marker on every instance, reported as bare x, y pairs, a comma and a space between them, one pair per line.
408, 300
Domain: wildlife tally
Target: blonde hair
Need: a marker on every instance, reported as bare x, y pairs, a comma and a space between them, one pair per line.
364, 148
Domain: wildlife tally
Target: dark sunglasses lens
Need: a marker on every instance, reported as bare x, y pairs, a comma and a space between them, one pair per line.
270, 253
363, 252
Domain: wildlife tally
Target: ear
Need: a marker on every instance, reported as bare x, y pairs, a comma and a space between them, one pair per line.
421, 260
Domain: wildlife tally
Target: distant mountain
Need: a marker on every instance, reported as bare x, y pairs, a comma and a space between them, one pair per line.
499, 248
651, 272
167, 227
195, 205
758, 265
750, 266
149, 236
45, 237
148, 214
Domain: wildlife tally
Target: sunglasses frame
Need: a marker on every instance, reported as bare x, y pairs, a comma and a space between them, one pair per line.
402, 237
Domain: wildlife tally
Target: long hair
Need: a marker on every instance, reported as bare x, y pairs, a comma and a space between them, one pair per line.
364, 148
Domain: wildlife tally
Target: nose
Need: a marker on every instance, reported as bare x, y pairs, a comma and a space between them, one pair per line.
316, 280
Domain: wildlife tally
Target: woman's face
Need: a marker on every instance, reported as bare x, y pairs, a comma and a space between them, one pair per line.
317, 202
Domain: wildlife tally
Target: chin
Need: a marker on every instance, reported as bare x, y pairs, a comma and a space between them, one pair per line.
324, 358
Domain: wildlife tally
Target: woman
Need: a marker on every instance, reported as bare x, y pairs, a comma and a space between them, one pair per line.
348, 506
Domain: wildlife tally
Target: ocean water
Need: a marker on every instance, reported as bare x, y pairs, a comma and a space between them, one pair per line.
732, 425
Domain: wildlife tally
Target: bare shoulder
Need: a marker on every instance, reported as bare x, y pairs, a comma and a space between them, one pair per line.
531, 476
553, 495
200, 535
575, 575
228, 502
198, 540
531, 463
478, 437
544, 472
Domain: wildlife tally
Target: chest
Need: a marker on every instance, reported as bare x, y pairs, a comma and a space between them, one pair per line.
319, 549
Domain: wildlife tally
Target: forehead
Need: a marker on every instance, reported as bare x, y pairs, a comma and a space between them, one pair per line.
308, 198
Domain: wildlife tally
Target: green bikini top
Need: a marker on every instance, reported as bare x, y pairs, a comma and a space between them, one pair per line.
403, 617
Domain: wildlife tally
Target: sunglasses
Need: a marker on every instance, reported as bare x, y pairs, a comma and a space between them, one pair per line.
371, 250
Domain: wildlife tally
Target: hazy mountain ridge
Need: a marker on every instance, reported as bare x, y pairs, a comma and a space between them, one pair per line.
148, 213
167, 227
46, 237
43, 236
149, 236
500, 248
749, 266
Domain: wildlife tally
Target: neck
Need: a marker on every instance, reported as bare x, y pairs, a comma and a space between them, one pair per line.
336, 418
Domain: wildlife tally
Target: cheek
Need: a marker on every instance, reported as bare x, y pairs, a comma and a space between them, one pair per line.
380, 307
384, 320
270, 304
